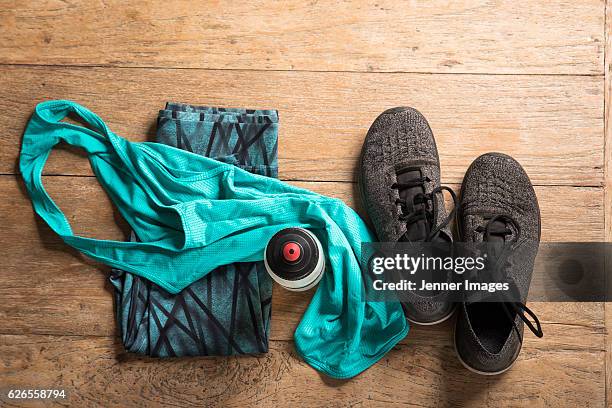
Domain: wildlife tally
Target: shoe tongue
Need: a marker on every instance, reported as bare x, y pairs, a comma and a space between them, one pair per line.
497, 238
417, 231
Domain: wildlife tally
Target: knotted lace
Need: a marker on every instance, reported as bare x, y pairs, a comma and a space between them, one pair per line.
422, 209
509, 306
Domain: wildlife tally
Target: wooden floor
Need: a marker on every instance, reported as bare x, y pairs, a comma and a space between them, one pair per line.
530, 80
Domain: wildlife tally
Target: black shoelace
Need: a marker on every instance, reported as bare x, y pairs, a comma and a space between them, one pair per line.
518, 308
425, 212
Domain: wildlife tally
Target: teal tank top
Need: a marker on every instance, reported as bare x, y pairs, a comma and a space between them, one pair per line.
194, 214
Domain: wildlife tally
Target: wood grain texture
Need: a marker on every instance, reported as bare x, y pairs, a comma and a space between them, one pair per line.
478, 36
51, 289
553, 125
95, 370
608, 124
608, 185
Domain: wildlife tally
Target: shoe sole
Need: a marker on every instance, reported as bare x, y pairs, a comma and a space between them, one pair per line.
445, 318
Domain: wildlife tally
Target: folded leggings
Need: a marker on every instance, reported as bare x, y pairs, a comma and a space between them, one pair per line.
227, 311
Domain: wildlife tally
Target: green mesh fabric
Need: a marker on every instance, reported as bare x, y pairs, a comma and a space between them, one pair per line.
194, 214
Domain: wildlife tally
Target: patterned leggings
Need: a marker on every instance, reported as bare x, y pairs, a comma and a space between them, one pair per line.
228, 311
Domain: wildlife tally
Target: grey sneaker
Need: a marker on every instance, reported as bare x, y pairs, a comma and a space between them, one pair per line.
498, 205
399, 180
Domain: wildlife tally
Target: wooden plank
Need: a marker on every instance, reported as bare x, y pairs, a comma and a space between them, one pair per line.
91, 212
608, 184
553, 125
51, 289
97, 371
474, 36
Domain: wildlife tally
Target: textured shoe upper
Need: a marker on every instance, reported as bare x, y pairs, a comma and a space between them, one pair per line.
497, 190
399, 174
399, 147
480, 343
496, 185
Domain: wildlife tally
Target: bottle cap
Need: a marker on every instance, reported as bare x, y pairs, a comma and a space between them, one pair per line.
294, 259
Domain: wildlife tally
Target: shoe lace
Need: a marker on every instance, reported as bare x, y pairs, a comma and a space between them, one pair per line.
424, 211
518, 308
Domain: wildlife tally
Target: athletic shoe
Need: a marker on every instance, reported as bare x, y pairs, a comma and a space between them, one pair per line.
399, 180
498, 207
